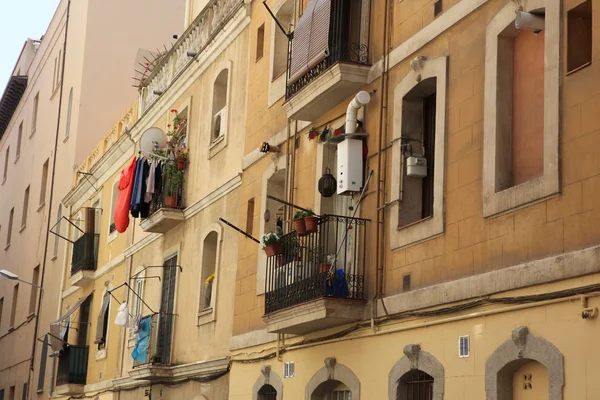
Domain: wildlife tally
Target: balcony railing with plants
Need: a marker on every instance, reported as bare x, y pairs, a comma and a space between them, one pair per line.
348, 42
72, 365
85, 253
325, 259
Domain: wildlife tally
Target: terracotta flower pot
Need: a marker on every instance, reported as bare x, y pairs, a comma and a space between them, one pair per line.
180, 163
300, 227
171, 201
311, 223
324, 268
273, 249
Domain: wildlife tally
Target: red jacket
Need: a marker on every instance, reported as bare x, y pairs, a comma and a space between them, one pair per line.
121, 216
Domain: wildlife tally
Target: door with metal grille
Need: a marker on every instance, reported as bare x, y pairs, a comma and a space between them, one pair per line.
267, 392
415, 385
167, 306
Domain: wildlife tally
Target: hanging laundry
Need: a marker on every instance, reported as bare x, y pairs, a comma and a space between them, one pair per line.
137, 186
150, 183
122, 318
140, 207
121, 215
140, 351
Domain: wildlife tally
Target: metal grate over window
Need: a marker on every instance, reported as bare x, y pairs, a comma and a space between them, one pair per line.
415, 385
267, 392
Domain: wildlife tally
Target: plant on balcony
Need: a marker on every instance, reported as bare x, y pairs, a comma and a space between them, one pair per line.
271, 244
181, 156
175, 147
173, 183
299, 223
311, 221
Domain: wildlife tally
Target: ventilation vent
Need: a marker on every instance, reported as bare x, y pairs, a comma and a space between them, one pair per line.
463, 346
288, 369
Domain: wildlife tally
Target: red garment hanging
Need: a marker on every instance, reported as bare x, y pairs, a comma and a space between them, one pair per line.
121, 215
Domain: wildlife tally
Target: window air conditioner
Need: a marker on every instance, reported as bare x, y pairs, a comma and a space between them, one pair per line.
219, 124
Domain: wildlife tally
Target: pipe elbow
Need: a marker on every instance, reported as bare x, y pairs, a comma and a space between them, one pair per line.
361, 99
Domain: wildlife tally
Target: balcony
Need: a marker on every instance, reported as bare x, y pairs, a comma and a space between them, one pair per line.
152, 360
72, 370
166, 208
84, 259
308, 287
344, 70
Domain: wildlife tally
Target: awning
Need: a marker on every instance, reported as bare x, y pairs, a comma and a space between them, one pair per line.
310, 44
57, 334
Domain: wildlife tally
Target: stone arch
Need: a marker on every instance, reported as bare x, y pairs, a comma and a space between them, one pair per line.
520, 349
268, 377
333, 372
414, 358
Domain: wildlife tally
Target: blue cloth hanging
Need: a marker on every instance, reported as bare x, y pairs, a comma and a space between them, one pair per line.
140, 351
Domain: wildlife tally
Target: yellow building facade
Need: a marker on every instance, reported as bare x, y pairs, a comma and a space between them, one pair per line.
474, 274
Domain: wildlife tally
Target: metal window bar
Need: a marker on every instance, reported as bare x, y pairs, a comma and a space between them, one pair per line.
85, 253
347, 42
267, 392
415, 385
303, 271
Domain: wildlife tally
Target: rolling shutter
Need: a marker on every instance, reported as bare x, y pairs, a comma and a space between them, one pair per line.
310, 44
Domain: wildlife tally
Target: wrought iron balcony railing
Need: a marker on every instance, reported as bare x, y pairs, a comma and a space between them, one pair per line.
72, 365
153, 341
85, 253
348, 41
329, 262
171, 192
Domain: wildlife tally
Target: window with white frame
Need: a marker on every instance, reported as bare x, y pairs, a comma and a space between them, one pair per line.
219, 106
210, 251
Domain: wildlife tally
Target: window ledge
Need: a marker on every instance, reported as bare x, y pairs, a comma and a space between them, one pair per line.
3, 180
41, 206
17, 158
22, 228
216, 146
101, 354
32, 133
571, 72
7, 246
66, 139
112, 236
206, 316
53, 258
55, 90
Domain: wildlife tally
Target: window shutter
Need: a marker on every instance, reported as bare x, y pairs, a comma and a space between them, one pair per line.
42, 371
310, 44
101, 319
24, 397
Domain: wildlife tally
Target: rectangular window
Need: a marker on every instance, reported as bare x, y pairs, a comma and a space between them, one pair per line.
250, 217
42, 369
579, 37
280, 49
102, 325
437, 8
36, 102
113, 203
57, 230
260, 42
19, 136
44, 183
13, 310
1, 309
24, 395
84, 322
10, 225
1, 394
7, 156
54, 73
34, 290
418, 126
58, 68
25, 208
11, 393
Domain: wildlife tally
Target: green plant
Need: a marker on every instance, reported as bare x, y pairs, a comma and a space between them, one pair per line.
309, 213
270, 238
173, 179
299, 214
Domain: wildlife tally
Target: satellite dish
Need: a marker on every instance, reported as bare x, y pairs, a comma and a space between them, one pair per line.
150, 137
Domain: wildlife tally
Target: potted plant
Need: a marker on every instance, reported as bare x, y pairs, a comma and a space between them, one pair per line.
271, 244
299, 224
173, 183
181, 156
311, 221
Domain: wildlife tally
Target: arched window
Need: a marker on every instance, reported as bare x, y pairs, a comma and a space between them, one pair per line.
209, 264
69, 108
415, 385
219, 106
267, 392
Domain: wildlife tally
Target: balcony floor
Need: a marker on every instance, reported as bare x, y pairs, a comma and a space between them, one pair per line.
333, 86
315, 315
162, 220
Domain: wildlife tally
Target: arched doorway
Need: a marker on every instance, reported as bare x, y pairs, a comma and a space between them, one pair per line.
530, 382
415, 385
267, 392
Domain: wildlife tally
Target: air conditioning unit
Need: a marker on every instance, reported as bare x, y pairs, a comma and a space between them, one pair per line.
219, 124
349, 166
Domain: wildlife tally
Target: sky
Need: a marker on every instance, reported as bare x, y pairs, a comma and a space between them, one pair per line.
19, 20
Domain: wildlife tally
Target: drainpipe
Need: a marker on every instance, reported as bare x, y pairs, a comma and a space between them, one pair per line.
52, 181
361, 99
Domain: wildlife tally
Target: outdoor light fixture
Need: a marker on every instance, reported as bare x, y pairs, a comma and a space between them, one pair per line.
8, 275
327, 184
